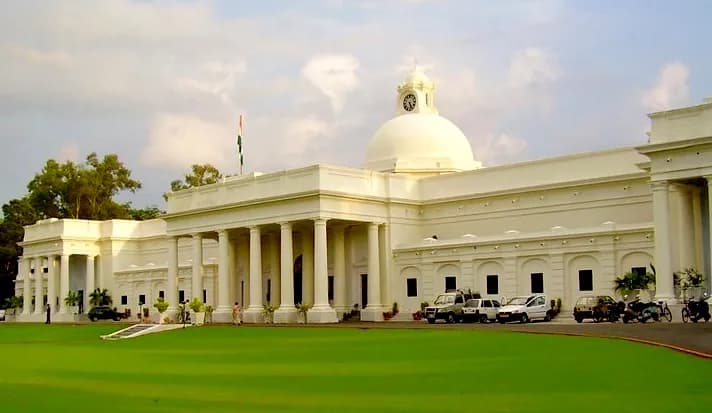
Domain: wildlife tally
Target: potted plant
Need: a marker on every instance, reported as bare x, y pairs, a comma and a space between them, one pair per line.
688, 279
72, 301
161, 305
13, 303
196, 304
100, 297
303, 309
209, 313
268, 313
633, 282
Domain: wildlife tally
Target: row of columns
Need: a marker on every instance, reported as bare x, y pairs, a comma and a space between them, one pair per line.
314, 261
25, 268
663, 223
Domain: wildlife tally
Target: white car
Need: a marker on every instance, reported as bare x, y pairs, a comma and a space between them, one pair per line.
480, 309
525, 309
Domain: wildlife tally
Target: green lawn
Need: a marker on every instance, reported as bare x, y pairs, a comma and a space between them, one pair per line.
228, 369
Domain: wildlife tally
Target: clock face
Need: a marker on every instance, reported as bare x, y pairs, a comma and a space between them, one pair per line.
409, 102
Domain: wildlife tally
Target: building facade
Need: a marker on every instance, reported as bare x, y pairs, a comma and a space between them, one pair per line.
421, 217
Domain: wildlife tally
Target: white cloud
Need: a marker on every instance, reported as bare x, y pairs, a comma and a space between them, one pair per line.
54, 58
178, 141
498, 149
670, 90
533, 67
218, 78
334, 75
304, 135
69, 152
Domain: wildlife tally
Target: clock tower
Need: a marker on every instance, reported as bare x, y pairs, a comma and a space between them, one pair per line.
416, 94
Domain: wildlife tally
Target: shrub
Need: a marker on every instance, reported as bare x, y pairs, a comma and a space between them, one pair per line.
196, 304
161, 305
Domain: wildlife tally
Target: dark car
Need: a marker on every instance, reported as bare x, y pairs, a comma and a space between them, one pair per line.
104, 312
596, 307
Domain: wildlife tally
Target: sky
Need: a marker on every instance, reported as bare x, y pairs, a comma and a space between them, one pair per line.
162, 83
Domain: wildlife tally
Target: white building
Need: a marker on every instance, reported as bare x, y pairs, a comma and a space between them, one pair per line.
422, 216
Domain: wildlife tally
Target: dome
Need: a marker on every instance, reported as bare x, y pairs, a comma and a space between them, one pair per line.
419, 143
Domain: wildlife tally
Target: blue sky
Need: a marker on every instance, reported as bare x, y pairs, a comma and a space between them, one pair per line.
161, 83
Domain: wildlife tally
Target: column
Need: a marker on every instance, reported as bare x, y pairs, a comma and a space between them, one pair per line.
286, 313
661, 222
274, 270
254, 311
197, 275
24, 270
340, 303
374, 309
386, 257
223, 312
321, 312
89, 288
307, 267
52, 283
39, 288
63, 282
172, 278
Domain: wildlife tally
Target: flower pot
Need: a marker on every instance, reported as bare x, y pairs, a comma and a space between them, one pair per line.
198, 318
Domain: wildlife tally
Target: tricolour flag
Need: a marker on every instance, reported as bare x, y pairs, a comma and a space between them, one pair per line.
239, 144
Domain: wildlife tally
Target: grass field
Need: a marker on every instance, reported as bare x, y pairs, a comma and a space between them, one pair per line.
248, 369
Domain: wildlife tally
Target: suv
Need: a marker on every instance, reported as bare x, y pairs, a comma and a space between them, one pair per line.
524, 309
482, 310
104, 312
597, 307
447, 306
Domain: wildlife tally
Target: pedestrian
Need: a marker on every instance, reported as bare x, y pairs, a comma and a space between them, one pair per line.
236, 316
48, 309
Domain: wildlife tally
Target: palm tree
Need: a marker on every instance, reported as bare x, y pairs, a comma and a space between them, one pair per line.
633, 281
100, 297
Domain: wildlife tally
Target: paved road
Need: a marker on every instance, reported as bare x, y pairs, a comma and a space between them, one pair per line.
696, 337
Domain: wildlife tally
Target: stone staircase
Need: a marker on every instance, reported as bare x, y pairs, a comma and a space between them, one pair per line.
137, 330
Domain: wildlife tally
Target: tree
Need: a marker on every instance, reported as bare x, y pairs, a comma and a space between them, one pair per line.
82, 191
143, 214
200, 174
100, 297
16, 214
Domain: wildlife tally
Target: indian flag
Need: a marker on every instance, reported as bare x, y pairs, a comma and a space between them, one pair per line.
239, 144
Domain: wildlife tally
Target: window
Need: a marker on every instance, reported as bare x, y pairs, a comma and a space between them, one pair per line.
181, 296
639, 270
537, 283
124, 300
496, 303
412, 287
331, 288
141, 299
585, 280
45, 270
487, 303
450, 283
205, 296
492, 284
459, 300
162, 294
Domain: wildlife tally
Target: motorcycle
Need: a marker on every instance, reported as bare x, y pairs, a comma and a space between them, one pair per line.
640, 311
696, 310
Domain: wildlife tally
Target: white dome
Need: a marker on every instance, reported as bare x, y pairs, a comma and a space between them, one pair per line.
419, 143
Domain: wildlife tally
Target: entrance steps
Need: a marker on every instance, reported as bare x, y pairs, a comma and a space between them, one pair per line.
137, 330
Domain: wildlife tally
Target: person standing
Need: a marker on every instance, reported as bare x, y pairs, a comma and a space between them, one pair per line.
48, 310
236, 316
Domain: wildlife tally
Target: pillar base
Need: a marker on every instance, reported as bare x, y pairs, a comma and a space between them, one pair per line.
372, 313
285, 315
322, 315
253, 315
172, 314
222, 315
